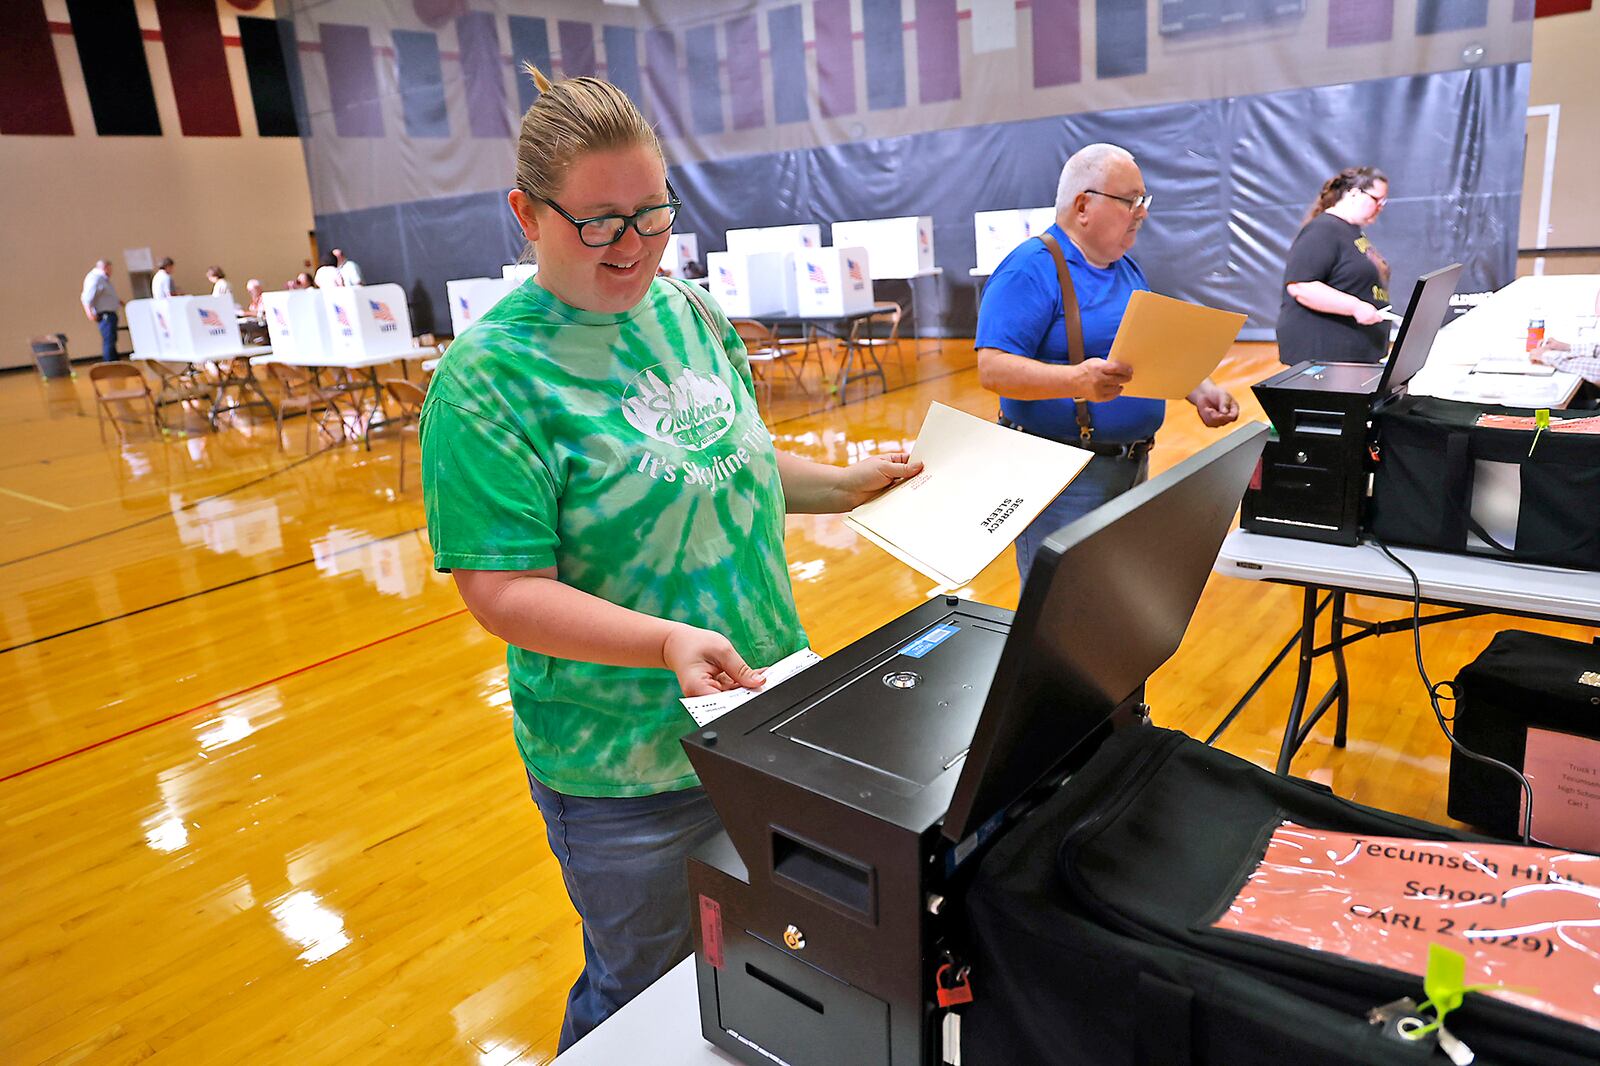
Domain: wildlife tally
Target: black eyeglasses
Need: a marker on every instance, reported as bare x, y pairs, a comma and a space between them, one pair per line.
604, 230
1133, 202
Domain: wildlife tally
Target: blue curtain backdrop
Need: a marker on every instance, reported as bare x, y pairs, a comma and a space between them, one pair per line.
1232, 177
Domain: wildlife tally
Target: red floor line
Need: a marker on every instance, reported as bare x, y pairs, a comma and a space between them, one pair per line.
232, 695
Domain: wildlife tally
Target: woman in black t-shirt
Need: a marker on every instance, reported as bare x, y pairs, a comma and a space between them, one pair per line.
1335, 281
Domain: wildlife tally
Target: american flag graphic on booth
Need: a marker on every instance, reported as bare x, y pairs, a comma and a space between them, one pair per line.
725, 276
384, 316
857, 275
210, 321
466, 308
815, 273
344, 319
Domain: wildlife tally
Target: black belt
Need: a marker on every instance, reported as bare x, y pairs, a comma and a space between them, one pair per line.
1136, 450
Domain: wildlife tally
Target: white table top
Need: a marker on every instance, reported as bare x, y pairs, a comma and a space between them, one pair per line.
931, 272
665, 1018
1498, 329
343, 362
254, 352
1466, 580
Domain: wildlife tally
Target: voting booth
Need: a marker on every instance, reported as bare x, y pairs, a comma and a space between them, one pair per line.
682, 248
854, 794
148, 340
751, 286
775, 239
470, 298
897, 248
998, 232
832, 282
297, 323
188, 327
369, 320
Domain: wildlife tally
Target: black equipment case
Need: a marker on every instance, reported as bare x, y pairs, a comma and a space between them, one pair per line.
1520, 681
1428, 490
1091, 940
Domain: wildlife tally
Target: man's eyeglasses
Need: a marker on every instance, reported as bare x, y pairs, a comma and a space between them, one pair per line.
604, 230
1133, 202
1379, 200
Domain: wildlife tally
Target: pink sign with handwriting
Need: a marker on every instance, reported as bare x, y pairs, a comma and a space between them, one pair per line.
1564, 771
1527, 919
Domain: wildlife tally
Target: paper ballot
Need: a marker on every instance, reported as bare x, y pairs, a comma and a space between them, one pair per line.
980, 487
1171, 345
707, 709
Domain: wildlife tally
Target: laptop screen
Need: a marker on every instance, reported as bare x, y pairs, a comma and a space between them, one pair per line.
1430, 300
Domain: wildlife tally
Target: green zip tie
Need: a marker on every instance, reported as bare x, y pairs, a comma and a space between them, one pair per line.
1541, 420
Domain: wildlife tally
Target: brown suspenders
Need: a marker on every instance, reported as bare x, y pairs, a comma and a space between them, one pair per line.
1069, 307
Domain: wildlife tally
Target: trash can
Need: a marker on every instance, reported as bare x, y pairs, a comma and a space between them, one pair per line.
50, 356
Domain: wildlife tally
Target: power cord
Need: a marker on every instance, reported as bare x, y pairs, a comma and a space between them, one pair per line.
1446, 690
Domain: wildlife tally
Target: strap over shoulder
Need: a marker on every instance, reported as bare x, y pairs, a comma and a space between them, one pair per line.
692, 292
1074, 320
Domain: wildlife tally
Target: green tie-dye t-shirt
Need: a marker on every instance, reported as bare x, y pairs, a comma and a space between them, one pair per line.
626, 451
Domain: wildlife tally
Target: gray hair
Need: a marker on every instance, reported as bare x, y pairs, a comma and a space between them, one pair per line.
1086, 169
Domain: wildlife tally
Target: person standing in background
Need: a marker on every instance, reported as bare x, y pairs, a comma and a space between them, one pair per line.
348, 269
328, 276
161, 286
219, 282
1334, 280
100, 303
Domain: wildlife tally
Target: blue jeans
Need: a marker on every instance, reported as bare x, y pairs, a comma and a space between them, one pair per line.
1104, 478
624, 860
107, 321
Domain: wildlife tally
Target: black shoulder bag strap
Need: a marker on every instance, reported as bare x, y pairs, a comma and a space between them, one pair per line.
1069, 308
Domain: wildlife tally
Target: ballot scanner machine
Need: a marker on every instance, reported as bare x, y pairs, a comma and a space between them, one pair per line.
1312, 482
855, 795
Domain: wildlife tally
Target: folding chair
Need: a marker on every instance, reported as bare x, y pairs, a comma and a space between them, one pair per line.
302, 394
121, 383
765, 350
863, 333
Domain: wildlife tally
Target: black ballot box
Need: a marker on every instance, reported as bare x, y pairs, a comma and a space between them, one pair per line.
1312, 480
856, 795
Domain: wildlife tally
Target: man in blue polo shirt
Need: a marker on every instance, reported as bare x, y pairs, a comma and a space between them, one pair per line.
1101, 202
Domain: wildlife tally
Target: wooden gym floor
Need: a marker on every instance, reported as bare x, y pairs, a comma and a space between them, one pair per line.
258, 796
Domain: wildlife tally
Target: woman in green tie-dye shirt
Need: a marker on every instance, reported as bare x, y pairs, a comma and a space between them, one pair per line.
598, 479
